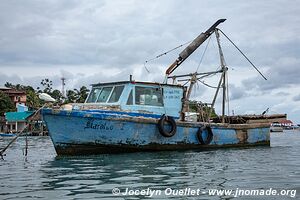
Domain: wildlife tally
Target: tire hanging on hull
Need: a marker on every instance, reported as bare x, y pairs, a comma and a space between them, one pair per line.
209, 137
170, 121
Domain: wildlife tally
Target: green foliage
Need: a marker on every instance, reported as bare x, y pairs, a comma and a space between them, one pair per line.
19, 87
71, 97
82, 94
9, 85
6, 105
77, 96
56, 94
193, 107
47, 86
32, 100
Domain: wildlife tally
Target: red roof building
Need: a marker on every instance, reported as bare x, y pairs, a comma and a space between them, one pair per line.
285, 122
15, 95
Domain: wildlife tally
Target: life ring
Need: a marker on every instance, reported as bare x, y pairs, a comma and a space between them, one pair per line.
169, 120
209, 137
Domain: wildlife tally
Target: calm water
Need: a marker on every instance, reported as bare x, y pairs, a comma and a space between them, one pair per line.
45, 176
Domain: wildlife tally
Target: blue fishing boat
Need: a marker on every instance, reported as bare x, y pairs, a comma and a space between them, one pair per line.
130, 116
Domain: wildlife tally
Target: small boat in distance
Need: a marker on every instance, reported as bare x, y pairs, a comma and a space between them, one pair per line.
276, 127
7, 134
130, 116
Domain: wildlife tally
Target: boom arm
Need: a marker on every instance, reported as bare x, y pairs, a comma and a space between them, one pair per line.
193, 46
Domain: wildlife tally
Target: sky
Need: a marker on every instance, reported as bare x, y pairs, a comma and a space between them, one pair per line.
100, 41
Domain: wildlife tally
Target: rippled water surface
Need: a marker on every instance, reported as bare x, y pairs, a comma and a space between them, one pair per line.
43, 175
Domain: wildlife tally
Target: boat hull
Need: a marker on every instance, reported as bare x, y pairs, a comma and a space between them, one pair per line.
83, 133
276, 129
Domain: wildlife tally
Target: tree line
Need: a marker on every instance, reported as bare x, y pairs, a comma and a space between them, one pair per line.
32, 100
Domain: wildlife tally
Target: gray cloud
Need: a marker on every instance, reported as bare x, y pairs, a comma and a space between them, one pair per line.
33, 81
296, 98
284, 73
126, 33
236, 92
282, 94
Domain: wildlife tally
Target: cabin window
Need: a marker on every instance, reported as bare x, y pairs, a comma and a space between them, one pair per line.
130, 99
115, 95
148, 96
104, 94
93, 95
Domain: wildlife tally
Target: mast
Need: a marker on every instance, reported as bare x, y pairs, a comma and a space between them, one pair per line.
193, 81
63, 79
224, 69
194, 76
193, 46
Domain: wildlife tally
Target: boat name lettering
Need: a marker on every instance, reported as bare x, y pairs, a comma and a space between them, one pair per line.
172, 97
98, 126
172, 94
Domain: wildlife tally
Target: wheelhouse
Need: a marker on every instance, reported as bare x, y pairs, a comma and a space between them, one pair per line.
141, 97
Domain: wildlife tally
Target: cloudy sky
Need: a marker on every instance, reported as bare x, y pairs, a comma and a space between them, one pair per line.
98, 41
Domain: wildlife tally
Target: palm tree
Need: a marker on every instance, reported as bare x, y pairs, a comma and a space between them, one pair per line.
32, 100
71, 96
9, 85
81, 94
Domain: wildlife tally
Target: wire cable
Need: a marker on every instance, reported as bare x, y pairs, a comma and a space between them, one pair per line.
242, 54
203, 53
165, 53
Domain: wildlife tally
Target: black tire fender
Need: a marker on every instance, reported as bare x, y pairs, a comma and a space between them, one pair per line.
209, 137
169, 120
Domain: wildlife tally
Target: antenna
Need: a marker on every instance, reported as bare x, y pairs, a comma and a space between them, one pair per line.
63, 79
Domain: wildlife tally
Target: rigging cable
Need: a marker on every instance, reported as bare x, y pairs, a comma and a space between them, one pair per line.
227, 93
207, 84
242, 54
165, 53
146, 68
203, 53
186, 83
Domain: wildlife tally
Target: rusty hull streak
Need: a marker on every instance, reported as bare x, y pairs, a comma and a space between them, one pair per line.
94, 107
195, 124
242, 136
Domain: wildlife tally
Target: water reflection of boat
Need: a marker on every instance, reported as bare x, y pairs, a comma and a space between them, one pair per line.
132, 116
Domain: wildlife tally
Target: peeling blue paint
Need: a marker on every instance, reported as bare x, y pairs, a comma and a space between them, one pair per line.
74, 128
